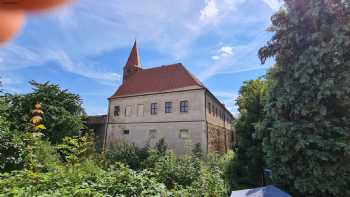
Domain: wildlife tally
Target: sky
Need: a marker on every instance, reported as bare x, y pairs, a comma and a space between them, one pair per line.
84, 46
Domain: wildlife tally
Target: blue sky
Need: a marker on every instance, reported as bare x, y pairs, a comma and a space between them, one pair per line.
83, 47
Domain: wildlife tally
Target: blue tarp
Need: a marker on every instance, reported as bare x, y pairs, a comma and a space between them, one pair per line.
268, 191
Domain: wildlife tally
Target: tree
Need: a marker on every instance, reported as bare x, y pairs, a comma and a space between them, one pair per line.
64, 114
248, 163
307, 139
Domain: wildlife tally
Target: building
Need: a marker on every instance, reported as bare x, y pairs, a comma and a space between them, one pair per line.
166, 102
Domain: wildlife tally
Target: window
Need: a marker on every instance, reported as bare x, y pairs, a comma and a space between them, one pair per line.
116, 110
183, 106
216, 112
139, 110
126, 132
184, 134
168, 106
128, 110
153, 108
209, 108
152, 133
213, 109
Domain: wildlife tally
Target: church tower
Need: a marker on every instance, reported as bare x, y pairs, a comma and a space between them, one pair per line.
133, 64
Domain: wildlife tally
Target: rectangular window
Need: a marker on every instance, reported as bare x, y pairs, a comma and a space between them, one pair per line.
128, 110
139, 110
152, 133
213, 109
183, 106
216, 112
168, 106
153, 108
209, 108
126, 132
184, 134
116, 110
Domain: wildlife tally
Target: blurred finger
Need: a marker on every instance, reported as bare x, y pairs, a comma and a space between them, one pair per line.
31, 5
10, 23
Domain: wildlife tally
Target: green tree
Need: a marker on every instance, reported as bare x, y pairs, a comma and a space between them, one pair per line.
307, 139
248, 163
64, 114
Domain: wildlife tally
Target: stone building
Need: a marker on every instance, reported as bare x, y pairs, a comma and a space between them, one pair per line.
166, 102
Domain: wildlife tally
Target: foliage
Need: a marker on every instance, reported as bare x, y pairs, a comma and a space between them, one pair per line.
248, 164
127, 153
197, 151
307, 126
12, 150
63, 111
87, 180
74, 149
12, 146
161, 146
173, 171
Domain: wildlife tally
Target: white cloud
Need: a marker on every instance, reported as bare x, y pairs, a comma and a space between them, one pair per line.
83, 70
226, 51
209, 12
223, 52
274, 4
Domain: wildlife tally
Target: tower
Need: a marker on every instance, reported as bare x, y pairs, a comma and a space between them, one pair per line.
133, 64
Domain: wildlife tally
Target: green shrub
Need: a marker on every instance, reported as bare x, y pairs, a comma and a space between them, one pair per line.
12, 150
74, 149
173, 171
127, 153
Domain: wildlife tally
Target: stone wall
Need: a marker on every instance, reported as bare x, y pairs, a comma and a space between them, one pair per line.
136, 127
219, 139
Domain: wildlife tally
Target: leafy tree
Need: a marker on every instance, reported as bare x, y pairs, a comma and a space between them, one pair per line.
64, 114
248, 163
307, 140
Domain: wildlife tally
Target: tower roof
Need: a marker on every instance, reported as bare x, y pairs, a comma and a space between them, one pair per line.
134, 58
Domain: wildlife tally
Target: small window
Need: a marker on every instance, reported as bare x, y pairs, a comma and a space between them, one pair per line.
116, 110
183, 106
209, 108
128, 110
184, 134
139, 110
153, 108
126, 132
168, 106
213, 109
216, 112
152, 133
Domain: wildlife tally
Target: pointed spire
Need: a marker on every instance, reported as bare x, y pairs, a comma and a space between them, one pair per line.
134, 58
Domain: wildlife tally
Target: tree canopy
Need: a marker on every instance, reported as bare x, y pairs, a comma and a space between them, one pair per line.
63, 116
249, 158
307, 141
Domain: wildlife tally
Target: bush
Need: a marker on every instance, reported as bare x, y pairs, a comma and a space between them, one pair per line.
174, 171
87, 180
74, 149
127, 153
12, 150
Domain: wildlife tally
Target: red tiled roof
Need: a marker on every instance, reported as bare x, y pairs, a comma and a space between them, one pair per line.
158, 79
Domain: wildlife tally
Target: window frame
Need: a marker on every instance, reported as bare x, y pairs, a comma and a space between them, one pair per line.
154, 108
126, 132
184, 106
116, 110
209, 107
168, 107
